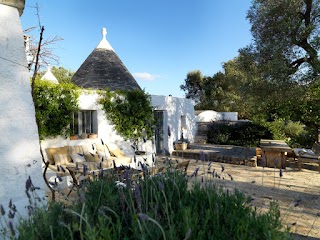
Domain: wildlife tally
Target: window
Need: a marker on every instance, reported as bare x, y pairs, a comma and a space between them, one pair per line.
84, 122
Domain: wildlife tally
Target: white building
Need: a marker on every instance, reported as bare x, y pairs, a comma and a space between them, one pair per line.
103, 68
19, 141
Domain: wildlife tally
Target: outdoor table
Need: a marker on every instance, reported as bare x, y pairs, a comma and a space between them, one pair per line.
274, 152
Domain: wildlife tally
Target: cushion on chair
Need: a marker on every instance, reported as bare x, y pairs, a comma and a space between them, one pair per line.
75, 150
52, 151
92, 157
305, 153
104, 154
117, 153
112, 146
60, 159
102, 150
76, 158
88, 148
123, 160
107, 164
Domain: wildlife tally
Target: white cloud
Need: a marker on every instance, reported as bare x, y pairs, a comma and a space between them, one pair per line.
145, 76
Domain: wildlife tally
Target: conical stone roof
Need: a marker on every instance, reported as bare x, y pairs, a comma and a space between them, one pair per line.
104, 69
49, 76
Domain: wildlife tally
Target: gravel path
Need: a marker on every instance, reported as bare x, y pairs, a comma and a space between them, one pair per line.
297, 192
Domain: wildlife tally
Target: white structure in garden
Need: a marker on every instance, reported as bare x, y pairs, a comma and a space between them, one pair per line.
212, 116
103, 68
49, 76
19, 141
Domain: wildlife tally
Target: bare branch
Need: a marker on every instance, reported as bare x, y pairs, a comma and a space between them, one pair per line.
29, 29
36, 66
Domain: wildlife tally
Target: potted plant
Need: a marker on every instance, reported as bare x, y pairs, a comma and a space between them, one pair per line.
93, 135
182, 143
74, 137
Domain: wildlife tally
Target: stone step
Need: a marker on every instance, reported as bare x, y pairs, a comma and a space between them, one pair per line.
200, 139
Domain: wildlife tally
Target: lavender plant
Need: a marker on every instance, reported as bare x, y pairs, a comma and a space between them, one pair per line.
152, 207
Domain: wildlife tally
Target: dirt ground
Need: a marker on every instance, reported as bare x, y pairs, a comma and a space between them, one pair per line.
297, 192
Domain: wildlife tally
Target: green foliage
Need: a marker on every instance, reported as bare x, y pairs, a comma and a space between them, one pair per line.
193, 85
130, 112
294, 133
63, 75
277, 75
161, 207
54, 105
286, 37
244, 134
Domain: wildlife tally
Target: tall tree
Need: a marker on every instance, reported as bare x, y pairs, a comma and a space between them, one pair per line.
193, 85
286, 37
63, 75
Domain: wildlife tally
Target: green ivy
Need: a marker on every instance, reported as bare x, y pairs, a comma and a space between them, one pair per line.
130, 112
54, 104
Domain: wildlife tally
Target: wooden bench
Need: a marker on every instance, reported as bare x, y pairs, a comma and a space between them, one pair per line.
304, 155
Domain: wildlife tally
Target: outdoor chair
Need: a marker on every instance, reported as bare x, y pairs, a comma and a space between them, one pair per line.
182, 166
304, 155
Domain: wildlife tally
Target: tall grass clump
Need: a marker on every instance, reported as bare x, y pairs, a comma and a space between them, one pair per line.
163, 206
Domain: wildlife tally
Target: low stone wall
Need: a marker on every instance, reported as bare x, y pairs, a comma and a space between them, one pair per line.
225, 154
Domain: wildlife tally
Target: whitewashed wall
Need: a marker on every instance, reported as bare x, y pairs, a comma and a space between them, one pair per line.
106, 132
209, 116
176, 107
19, 142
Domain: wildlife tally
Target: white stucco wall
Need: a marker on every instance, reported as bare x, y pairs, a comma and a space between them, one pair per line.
209, 116
106, 132
176, 108
19, 142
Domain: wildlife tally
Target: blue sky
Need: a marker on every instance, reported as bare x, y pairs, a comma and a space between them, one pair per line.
158, 41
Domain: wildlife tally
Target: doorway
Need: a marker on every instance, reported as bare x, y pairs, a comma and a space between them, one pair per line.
161, 131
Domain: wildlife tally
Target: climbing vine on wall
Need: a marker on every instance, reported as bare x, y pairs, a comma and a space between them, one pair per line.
54, 105
130, 112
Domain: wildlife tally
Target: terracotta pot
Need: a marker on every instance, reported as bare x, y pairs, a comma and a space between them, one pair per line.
74, 137
181, 146
93, 135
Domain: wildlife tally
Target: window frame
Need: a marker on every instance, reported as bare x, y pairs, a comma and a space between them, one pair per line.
84, 121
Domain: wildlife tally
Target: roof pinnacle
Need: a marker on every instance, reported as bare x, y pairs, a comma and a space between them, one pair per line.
104, 42
104, 33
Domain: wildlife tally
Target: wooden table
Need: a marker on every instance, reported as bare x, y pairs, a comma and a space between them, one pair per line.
274, 152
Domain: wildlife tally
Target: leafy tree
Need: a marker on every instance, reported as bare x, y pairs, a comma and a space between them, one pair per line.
193, 85
286, 45
63, 75
286, 37
54, 105
218, 93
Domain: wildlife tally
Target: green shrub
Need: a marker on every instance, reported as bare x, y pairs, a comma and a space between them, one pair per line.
130, 111
294, 133
240, 134
54, 105
158, 207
